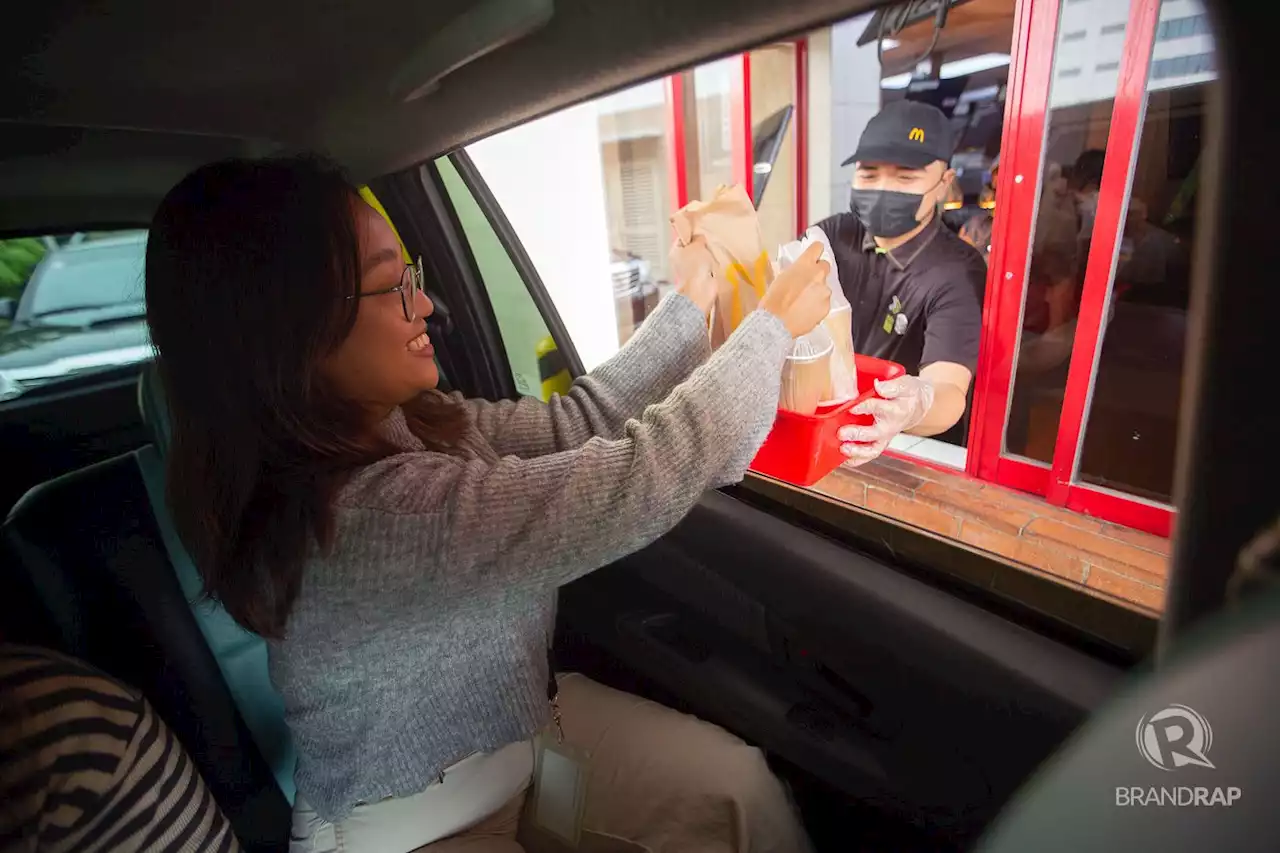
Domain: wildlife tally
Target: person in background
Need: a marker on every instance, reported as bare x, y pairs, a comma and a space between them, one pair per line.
977, 233
987, 198
1086, 180
1057, 222
87, 765
1154, 265
1044, 348
915, 287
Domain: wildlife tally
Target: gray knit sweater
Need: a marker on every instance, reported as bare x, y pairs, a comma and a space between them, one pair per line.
421, 638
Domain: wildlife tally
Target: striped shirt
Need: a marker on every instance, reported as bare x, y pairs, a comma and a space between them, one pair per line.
86, 765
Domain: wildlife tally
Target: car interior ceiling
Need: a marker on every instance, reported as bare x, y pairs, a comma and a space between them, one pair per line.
174, 86
860, 683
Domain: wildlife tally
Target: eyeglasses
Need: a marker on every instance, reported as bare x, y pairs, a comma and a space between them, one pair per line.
411, 284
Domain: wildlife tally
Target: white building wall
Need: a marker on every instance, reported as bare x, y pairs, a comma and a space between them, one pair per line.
1090, 44
548, 178
855, 98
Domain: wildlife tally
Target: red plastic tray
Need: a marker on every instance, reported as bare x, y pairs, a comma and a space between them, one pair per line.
802, 449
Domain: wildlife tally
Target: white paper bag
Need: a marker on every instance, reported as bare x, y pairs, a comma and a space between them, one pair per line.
838, 322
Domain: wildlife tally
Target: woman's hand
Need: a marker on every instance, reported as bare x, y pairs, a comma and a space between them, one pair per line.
693, 269
799, 296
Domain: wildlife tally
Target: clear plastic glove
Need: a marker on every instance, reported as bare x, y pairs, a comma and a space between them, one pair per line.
907, 400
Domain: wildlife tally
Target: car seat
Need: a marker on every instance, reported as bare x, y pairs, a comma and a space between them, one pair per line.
92, 560
241, 655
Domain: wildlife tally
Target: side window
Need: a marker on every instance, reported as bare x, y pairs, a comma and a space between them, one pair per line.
70, 304
535, 364
1076, 136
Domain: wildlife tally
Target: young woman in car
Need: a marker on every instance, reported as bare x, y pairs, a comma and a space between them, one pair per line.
401, 549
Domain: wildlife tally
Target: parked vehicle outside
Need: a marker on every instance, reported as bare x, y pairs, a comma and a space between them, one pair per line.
82, 309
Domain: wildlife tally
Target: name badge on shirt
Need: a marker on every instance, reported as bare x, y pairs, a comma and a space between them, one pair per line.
895, 322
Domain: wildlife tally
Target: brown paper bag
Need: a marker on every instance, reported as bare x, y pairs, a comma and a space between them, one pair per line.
728, 223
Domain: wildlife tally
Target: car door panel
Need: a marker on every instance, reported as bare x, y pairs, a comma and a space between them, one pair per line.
898, 693
895, 692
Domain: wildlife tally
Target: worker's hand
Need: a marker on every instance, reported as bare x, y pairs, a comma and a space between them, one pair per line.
799, 296
905, 402
693, 269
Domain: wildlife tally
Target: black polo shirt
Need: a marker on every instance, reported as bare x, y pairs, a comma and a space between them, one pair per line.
916, 304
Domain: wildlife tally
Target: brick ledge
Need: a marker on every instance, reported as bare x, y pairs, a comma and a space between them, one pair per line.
1101, 558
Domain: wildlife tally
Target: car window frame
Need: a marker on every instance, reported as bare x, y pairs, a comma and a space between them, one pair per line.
1105, 628
474, 356
520, 258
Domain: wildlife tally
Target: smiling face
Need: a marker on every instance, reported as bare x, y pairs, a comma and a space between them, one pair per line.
386, 360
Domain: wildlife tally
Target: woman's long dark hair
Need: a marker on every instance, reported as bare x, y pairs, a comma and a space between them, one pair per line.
248, 266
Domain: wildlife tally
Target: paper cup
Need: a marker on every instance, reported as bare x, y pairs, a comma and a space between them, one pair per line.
844, 378
840, 324
806, 381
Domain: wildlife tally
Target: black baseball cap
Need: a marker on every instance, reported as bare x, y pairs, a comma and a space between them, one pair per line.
905, 133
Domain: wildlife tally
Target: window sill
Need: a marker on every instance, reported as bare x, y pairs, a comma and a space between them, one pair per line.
1007, 551
1097, 557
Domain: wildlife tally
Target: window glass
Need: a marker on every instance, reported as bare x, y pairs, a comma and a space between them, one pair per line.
634, 155
773, 154
1131, 429
716, 85
855, 69
593, 219
70, 304
524, 332
1081, 100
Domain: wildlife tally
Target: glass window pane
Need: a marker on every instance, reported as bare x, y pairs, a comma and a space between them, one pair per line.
593, 215
713, 86
634, 152
850, 81
595, 210
70, 304
1132, 424
1076, 131
519, 322
773, 99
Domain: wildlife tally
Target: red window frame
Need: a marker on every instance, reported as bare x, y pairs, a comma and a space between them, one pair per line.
1030, 74
677, 156
1026, 105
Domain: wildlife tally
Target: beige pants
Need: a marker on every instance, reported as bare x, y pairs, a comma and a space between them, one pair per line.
659, 781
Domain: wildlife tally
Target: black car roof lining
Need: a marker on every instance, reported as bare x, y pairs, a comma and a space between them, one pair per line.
319, 75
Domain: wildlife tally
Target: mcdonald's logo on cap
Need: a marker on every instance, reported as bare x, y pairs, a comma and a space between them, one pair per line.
916, 135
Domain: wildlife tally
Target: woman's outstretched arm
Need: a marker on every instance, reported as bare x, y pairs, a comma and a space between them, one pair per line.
666, 349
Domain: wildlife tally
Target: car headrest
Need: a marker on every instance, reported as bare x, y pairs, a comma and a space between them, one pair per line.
154, 408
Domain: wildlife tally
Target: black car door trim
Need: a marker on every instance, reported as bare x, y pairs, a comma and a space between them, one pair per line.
1097, 626
524, 265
